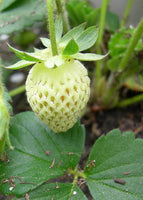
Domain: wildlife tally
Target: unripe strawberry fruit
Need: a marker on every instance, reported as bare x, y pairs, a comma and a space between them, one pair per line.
58, 95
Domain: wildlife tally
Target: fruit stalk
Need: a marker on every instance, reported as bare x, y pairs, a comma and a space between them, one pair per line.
17, 91
52, 27
126, 12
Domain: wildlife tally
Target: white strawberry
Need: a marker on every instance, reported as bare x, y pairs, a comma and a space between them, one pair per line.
58, 95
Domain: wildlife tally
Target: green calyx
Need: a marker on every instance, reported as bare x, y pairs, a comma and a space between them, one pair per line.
69, 47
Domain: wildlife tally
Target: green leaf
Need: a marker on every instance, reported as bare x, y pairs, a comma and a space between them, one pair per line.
112, 21
80, 12
6, 4
46, 42
20, 64
135, 83
117, 156
88, 56
21, 14
2, 145
57, 191
87, 38
74, 33
120, 40
24, 55
29, 161
58, 28
71, 48
113, 63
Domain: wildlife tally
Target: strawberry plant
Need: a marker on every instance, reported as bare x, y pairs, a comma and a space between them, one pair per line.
41, 150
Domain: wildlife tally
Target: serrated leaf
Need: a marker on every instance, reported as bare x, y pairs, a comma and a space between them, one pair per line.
87, 38
50, 191
29, 161
20, 64
24, 55
46, 42
88, 56
58, 28
22, 14
116, 156
74, 33
120, 40
71, 48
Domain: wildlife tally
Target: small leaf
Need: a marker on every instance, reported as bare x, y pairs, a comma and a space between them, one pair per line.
71, 48
115, 167
74, 33
20, 64
45, 41
24, 55
87, 38
29, 161
58, 28
88, 56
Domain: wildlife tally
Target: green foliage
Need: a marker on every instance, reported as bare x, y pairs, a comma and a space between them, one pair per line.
16, 15
80, 11
120, 41
40, 155
6, 4
116, 157
29, 160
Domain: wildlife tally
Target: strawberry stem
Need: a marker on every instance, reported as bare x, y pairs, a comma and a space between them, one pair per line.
126, 13
17, 91
52, 27
97, 74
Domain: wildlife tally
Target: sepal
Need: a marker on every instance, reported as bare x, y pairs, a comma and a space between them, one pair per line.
88, 56
71, 48
20, 64
24, 55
